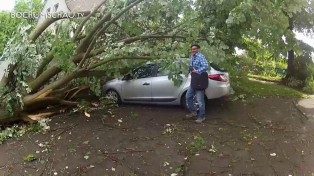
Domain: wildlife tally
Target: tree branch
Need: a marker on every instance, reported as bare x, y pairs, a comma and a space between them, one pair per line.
93, 73
61, 91
89, 49
118, 58
86, 41
44, 101
44, 77
107, 25
48, 74
80, 27
55, 17
54, 85
6, 80
179, 27
98, 51
145, 37
44, 63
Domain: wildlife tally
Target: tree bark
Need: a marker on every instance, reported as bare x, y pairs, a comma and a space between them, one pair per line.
40, 103
6, 118
44, 78
291, 64
29, 99
44, 63
80, 27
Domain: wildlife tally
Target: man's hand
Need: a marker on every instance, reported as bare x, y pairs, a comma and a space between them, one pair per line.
194, 71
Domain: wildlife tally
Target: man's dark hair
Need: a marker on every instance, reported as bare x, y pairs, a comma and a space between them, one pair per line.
196, 45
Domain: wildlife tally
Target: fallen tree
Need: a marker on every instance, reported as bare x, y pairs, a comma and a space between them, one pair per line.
50, 65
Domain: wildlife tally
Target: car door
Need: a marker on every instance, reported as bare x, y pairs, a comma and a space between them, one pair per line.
3, 67
163, 89
138, 89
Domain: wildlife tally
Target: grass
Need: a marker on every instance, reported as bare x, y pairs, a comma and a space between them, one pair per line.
30, 158
265, 78
196, 145
254, 88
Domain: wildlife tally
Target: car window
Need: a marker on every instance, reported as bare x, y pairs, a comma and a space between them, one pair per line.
177, 68
144, 71
162, 71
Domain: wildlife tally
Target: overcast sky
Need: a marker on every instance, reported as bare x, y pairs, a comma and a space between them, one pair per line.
8, 5
307, 39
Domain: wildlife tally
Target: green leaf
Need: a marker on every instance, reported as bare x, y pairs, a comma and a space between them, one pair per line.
30, 158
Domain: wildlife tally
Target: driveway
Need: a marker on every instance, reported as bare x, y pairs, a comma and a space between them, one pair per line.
268, 137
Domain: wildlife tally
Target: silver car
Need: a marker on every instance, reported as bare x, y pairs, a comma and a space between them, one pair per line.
3, 66
150, 85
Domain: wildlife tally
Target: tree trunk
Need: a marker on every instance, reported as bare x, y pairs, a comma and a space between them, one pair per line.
291, 70
6, 118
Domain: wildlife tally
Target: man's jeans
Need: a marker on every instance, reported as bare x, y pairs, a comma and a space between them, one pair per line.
199, 94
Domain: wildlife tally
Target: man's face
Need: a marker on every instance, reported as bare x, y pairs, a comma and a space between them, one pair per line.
194, 50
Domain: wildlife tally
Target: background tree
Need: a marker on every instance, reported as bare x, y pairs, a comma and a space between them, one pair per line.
300, 21
28, 6
8, 27
9, 24
272, 23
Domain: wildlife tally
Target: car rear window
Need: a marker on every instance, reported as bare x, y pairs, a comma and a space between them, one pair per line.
216, 67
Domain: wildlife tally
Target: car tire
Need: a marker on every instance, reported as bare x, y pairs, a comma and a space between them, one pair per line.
183, 102
114, 95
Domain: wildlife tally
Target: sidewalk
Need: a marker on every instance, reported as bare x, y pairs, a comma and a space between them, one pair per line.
307, 107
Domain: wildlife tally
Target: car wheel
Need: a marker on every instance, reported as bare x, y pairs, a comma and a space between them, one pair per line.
114, 96
183, 102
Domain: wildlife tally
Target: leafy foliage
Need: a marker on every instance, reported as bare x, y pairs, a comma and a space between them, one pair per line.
197, 145
265, 21
63, 54
9, 25
24, 55
28, 6
30, 158
16, 131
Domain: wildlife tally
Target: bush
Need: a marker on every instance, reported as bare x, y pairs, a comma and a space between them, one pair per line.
309, 82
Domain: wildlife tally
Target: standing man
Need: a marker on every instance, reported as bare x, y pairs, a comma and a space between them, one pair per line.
198, 65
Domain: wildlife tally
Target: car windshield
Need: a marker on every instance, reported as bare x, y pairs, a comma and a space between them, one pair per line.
144, 71
166, 67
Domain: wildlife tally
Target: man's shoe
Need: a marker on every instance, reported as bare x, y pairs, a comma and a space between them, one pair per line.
199, 120
191, 115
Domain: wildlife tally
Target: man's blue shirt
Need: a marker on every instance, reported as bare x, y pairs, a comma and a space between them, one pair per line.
199, 62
